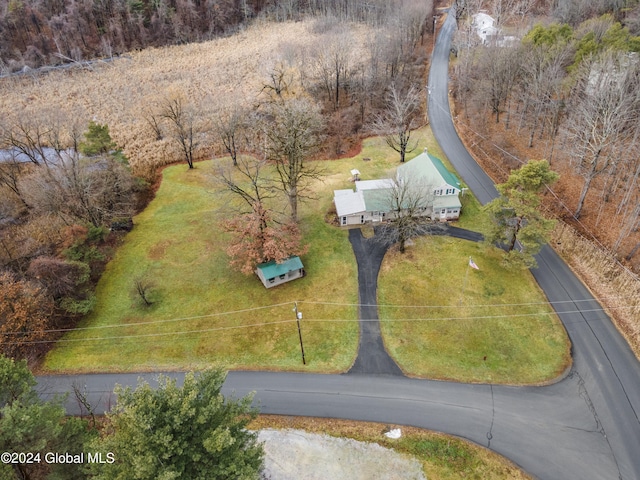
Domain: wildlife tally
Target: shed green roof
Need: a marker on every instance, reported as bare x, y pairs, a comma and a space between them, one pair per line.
273, 269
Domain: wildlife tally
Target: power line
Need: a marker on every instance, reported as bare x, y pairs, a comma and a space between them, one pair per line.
155, 322
285, 304
147, 335
475, 305
592, 237
237, 327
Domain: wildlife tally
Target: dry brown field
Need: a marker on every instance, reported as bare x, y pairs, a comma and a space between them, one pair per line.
208, 75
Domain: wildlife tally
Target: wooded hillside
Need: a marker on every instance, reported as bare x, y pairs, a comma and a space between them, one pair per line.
35, 33
568, 93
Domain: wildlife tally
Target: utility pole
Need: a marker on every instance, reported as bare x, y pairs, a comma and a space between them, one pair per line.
435, 20
298, 318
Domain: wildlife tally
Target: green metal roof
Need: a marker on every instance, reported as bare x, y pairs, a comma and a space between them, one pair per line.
449, 177
273, 269
377, 200
430, 169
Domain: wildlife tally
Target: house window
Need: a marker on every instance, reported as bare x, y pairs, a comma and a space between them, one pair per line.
450, 191
438, 192
282, 276
271, 280
444, 210
455, 211
361, 218
344, 220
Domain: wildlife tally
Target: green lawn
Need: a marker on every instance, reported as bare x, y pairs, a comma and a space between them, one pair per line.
205, 313
457, 323
177, 243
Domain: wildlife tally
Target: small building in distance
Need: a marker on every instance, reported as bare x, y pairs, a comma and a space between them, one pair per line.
273, 273
484, 24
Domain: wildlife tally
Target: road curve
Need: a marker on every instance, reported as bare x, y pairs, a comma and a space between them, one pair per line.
608, 371
583, 427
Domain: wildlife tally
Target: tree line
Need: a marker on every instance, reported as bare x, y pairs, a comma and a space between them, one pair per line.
35, 33
64, 202
573, 93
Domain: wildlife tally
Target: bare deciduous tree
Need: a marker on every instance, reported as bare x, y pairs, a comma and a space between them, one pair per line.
183, 127
400, 117
10, 172
91, 190
230, 126
604, 114
143, 288
410, 208
292, 130
542, 71
27, 136
333, 63
500, 68
247, 181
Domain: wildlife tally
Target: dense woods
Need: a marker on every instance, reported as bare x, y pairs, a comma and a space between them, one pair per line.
35, 33
569, 93
562, 84
53, 231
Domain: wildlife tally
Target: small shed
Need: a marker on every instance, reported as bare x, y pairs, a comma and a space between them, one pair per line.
272, 273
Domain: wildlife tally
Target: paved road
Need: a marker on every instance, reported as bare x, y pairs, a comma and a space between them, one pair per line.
608, 371
583, 427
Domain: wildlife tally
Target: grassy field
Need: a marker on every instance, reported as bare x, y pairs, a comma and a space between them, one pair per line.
443, 457
212, 75
488, 325
206, 313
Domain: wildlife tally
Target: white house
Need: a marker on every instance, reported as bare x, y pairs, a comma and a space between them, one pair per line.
484, 26
371, 201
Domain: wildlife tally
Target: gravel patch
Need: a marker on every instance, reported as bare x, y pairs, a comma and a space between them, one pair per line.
300, 455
